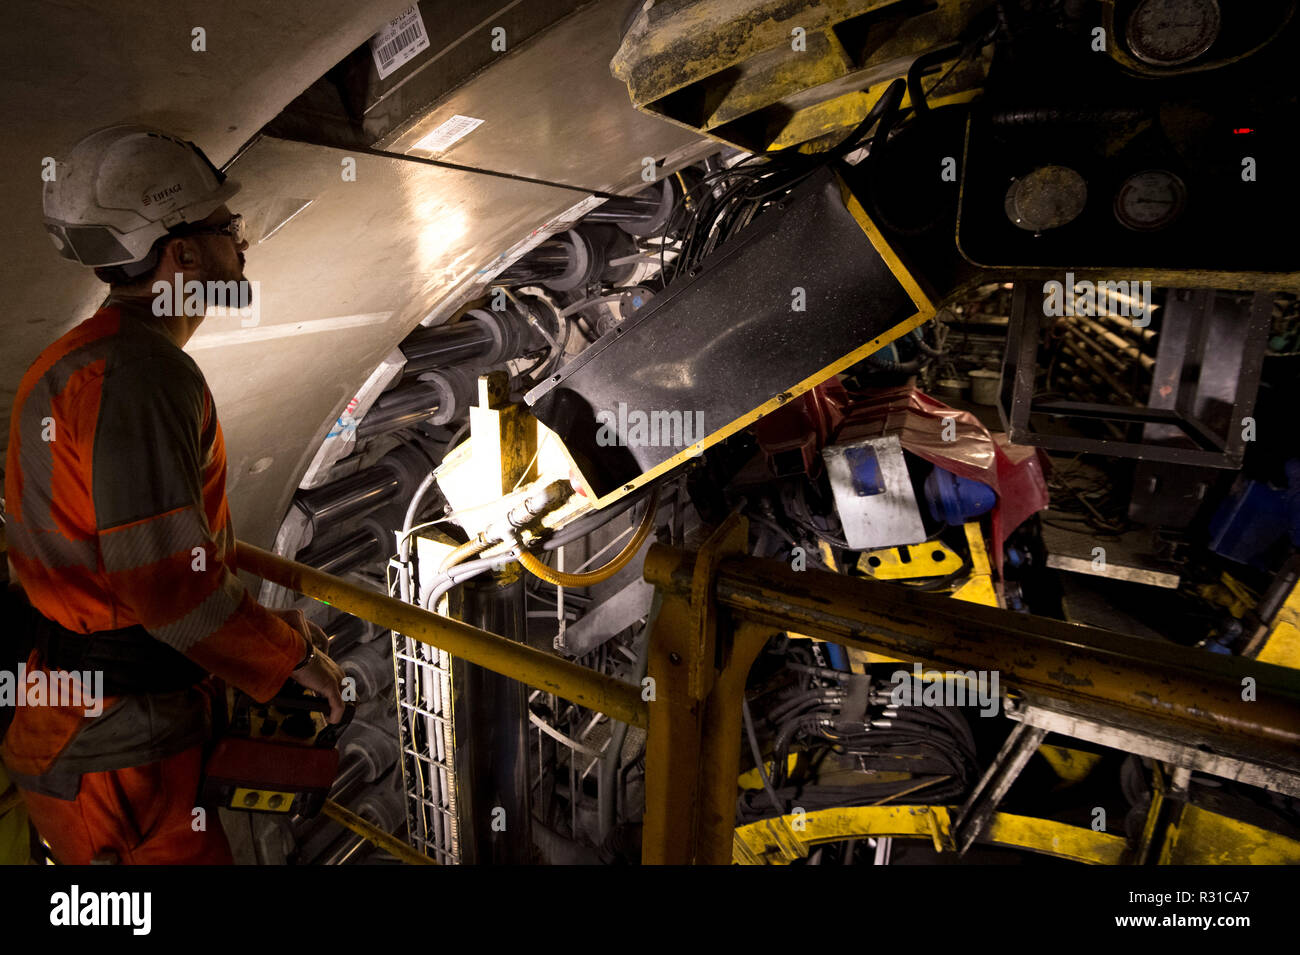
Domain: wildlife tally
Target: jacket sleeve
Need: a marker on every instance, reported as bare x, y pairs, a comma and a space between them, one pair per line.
164, 566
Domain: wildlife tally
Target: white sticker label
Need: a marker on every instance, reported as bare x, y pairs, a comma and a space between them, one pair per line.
399, 41
453, 130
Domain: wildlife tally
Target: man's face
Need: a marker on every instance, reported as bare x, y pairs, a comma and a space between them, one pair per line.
205, 255
223, 260
218, 262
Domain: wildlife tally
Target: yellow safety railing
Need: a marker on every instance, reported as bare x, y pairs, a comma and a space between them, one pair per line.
575, 683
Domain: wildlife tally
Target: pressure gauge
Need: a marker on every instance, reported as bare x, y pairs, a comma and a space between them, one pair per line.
1170, 32
1150, 200
1047, 198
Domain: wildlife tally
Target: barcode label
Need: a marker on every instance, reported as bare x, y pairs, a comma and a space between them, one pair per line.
399, 41
454, 129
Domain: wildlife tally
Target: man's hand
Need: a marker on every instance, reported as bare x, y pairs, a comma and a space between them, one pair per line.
322, 675
298, 620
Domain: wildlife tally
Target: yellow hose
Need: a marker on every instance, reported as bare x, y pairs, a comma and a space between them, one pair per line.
465, 551
561, 579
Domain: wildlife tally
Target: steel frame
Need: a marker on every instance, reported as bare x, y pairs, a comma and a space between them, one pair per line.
718, 607
1017, 405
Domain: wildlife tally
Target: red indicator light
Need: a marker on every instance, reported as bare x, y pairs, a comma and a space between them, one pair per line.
1241, 130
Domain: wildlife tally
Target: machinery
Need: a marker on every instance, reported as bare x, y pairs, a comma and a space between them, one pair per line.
944, 364
670, 358
274, 758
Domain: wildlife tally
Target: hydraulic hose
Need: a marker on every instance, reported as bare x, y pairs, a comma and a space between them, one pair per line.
758, 757
408, 520
590, 523
458, 575
558, 577
465, 551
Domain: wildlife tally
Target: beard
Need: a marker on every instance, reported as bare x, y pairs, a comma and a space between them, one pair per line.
226, 287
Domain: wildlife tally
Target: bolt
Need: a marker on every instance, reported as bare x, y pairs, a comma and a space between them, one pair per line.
675, 657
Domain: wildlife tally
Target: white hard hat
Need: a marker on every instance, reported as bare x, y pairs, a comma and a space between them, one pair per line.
121, 188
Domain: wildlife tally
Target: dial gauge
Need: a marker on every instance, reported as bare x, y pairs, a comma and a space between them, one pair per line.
1170, 32
1047, 198
1150, 200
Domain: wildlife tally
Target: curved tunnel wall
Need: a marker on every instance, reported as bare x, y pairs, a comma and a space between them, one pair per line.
363, 262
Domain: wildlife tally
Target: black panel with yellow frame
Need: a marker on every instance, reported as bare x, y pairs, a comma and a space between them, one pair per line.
806, 290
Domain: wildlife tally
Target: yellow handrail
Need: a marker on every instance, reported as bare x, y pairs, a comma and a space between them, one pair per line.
569, 681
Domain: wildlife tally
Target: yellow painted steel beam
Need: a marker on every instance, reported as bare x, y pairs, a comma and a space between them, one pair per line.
389, 843
572, 682
1283, 644
1202, 837
692, 756
1175, 687
770, 74
1048, 837
782, 840
1071, 765
719, 752
672, 760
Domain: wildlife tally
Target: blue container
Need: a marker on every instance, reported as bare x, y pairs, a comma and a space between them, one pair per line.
1248, 523
956, 500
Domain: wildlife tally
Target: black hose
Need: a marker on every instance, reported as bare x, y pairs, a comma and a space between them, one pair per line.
758, 757
786, 735
782, 711
804, 519
941, 718
824, 672
887, 103
918, 67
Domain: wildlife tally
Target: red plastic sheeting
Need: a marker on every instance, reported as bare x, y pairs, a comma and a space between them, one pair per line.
964, 447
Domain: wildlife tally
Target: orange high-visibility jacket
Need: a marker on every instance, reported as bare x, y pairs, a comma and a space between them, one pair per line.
116, 515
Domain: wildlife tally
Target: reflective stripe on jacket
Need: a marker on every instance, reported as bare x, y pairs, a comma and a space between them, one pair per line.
116, 514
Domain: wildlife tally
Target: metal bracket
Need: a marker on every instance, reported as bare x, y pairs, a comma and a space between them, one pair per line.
979, 808
731, 537
1184, 756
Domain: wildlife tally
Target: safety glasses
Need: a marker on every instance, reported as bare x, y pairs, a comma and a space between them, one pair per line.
235, 228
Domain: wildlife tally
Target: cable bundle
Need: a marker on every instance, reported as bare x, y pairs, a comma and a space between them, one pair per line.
932, 744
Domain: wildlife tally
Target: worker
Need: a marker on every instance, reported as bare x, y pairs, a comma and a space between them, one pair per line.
118, 528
